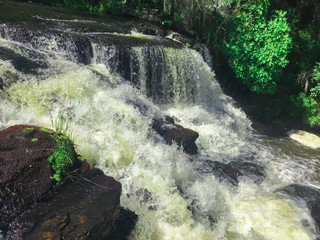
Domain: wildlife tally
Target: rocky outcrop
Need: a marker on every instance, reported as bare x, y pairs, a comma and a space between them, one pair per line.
232, 171
24, 170
84, 205
83, 209
174, 133
221, 170
309, 195
250, 168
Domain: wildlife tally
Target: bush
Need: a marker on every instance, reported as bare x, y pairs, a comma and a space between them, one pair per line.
307, 107
315, 82
258, 47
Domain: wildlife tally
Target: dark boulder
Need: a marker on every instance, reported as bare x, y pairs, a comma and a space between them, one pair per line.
123, 225
250, 169
231, 169
84, 209
83, 50
84, 205
309, 195
223, 171
20, 62
174, 133
24, 170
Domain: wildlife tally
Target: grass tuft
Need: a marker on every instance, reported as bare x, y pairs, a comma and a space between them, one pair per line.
64, 155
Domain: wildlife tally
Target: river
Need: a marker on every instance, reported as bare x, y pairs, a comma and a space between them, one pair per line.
108, 86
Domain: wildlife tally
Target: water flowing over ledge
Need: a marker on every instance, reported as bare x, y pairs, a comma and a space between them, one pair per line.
110, 86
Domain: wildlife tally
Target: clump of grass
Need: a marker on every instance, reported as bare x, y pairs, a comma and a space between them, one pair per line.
64, 155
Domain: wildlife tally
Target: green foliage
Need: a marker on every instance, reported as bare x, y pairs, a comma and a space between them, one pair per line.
110, 6
167, 22
175, 20
315, 83
178, 17
196, 13
62, 156
307, 107
258, 46
61, 126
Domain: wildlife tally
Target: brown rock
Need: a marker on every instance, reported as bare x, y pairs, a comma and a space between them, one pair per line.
174, 133
84, 209
24, 169
33, 206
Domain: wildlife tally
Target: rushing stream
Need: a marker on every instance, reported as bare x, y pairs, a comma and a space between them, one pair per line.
108, 96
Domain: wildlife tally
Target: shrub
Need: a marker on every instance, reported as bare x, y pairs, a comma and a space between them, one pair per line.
315, 82
258, 46
307, 107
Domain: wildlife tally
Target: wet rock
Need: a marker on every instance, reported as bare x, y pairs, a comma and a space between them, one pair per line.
306, 138
8, 74
128, 12
221, 170
24, 170
151, 15
250, 169
309, 195
86, 205
123, 225
231, 169
84, 50
84, 209
184, 39
20, 62
174, 133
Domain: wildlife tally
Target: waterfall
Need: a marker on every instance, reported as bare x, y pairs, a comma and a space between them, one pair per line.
109, 87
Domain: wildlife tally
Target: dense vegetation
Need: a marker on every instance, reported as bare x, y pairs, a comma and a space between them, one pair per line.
258, 47
272, 46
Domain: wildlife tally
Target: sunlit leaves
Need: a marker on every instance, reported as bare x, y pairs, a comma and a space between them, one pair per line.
258, 47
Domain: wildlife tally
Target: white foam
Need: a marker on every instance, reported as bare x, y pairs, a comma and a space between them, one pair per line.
110, 123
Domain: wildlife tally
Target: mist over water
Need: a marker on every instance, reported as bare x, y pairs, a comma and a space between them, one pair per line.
176, 196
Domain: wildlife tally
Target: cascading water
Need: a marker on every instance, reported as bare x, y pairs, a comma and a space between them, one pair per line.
175, 196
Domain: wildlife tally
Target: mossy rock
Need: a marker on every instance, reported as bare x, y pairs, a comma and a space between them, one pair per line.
26, 175
34, 205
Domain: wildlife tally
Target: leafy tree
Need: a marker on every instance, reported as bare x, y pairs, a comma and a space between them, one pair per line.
258, 46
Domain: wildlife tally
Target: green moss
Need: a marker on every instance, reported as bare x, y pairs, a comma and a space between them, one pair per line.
34, 139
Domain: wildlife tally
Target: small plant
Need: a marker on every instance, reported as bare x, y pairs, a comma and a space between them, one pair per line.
167, 22
178, 17
63, 155
61, 125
